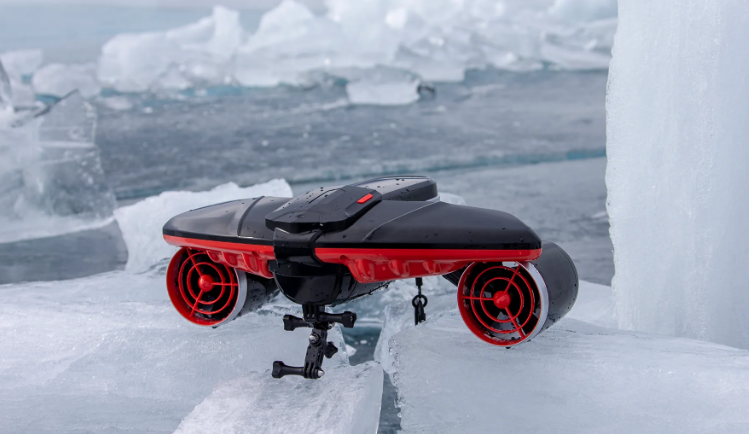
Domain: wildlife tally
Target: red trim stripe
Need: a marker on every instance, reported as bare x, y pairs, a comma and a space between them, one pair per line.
265, 251
381, 265
333, 254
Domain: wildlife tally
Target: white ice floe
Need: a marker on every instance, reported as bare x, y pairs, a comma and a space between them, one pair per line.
141, 222
435, 40
677, 177
110, 353
346, 400
574, 377
57, 79
198, 53
19, 63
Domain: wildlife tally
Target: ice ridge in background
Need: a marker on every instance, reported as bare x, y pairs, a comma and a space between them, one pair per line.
381, 49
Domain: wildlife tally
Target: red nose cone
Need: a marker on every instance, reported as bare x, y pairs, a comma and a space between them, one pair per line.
501, 299
205, 282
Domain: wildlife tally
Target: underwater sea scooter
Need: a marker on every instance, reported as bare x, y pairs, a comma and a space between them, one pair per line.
332, 245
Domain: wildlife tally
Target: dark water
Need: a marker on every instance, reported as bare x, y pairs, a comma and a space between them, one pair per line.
492, 119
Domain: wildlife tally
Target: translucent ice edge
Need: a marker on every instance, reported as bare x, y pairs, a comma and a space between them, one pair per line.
594, 304
346, 400
383, 49
574, 377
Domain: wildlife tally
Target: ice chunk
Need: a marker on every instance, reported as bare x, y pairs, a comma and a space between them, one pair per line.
584, 10
198, 53
399, 316
347, 400
14, 92
51, 179
57, 79
141, 223
374, 91
574, 377
6, 97
676, 175
19, 63
110, 353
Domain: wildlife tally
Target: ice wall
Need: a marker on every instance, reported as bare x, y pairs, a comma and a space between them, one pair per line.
677, 173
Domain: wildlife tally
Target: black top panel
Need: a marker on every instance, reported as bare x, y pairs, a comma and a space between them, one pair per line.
225, 221
405, 188
379, 213
252, 226
433, 225
326, 209
209, 222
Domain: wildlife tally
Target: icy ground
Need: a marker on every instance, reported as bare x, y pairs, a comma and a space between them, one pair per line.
575, 377
108, 353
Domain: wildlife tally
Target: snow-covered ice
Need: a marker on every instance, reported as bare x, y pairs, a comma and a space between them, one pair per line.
346, 400
677, 177
141, 222
574, 377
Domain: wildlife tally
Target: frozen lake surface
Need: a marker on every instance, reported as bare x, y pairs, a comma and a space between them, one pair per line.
105, 347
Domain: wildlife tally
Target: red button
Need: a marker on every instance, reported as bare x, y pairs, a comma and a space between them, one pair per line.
364, 199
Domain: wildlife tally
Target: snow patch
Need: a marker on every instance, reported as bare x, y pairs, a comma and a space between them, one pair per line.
141, 222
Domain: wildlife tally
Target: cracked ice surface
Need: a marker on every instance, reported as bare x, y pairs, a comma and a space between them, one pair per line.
574, 377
